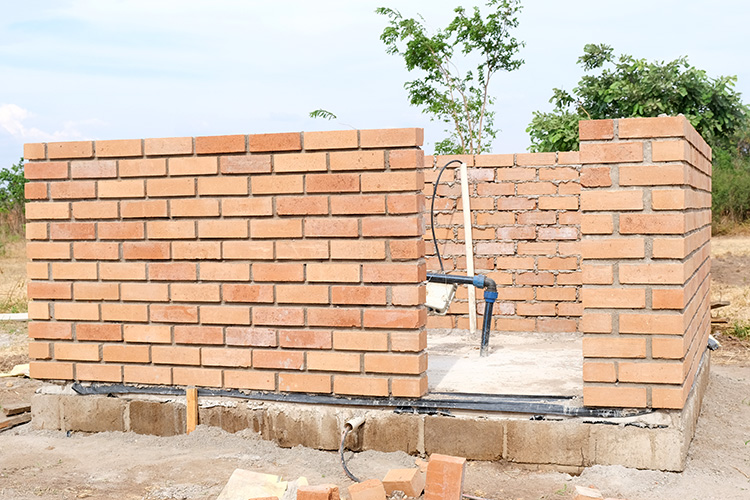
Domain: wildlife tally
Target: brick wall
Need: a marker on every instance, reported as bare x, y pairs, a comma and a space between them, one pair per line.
526, 237
276, 262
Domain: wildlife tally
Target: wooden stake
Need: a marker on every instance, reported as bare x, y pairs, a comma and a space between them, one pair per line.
191, 394
469, 246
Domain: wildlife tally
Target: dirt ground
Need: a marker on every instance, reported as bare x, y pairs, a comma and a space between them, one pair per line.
44, 464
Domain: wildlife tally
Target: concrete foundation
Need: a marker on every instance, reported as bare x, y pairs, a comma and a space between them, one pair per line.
658, 440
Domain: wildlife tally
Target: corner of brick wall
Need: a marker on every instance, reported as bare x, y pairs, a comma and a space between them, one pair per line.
646, 204
286, 262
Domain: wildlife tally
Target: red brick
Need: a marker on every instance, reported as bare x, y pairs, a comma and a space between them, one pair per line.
302, 205
302, 294
410, 481
224, 271
220, 144
597, 224
599, 201
357, 204
145, 292
143, 209
127, 147
392, 226
413, 364
245, 379
300, 162
39, 310
652, 223
333, 273
392, 181
393, 318
40, 350
393, 273
170, 355
223, 229
155, 375
302, 250
410, 341
358, 160
99, 331
615, 152
253, 164
172, 271
338, 317
277, 184
72, 190
169, 146
592, 130
221, 186
225, 315
35, 191
275, 272
285, 360
132, 188
411, 387
195, 292
204, 165
274, 142
305, 339
198, 334
248, 293
203, 377
151, 167
331, 227
333, 361
74, 271
360, 340
76, 149
50, 330
558, 203
122, 271
34, 151
146, 250
332, 183
652, 175
445, 477
406, 158
614, 347
171, 229
663, 126
357, 250
99, 373
257, 337
76, 351
96, 291
51, 371
214, 356
393, 137
54, 210
95, 210
46, 170
125, 312
233, 207
365, 295
372, 489
335, 139
599, 372
72, 231
406, 203
37, 290
626, 298
173, 314
76, 311
196, 250
276, 228
670, 151
595, 177
304, 382
170, 187
613, 248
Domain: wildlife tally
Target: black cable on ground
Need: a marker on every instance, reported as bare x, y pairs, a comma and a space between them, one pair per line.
351, 476
432, 213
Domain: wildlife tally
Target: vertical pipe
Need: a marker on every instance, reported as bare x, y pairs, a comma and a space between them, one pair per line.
469, 245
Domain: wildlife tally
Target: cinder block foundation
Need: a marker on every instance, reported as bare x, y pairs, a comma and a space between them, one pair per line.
658, 440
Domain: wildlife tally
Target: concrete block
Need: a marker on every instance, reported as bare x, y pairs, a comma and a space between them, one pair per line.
392, 432
445, 477
45, 412
292, 425
548, 442
372, 489
92, 413
410, 481
472, 439
160, 419
321, 492
231, 419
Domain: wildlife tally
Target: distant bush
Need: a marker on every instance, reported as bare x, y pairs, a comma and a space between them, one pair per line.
12, 199
731, 189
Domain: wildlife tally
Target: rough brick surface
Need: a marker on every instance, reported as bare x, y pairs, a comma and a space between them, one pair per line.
445, 477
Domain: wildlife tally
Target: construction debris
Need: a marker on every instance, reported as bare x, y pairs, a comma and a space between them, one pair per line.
321, 492
410, 481
371, 489
445, 477
583, 493
18, 414
246, 485
11, 410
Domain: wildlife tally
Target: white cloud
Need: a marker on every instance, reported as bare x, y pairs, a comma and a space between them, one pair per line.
13, 120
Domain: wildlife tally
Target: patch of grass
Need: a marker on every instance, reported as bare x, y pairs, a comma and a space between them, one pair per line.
14, 300
740, 330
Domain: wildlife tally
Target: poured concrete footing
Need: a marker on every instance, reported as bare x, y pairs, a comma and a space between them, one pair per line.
658, 440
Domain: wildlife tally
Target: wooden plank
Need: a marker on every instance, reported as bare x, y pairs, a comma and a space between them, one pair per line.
191, 393
14, 421
468, 241
11, 410
716, 305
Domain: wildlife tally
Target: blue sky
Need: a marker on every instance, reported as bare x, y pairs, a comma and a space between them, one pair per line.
118, 69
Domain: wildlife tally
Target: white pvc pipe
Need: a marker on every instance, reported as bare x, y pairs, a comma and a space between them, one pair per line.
14, 317
469, 242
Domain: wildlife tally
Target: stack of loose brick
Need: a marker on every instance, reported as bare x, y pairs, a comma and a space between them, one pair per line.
646, 205
526, 237
274, 262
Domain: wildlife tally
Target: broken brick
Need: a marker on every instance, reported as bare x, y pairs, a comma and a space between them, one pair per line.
445, 477
410, 481
371, 489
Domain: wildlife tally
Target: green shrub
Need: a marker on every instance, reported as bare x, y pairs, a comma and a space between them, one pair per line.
12, 199
731, 189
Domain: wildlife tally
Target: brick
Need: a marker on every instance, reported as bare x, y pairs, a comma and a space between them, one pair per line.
122, 271
333, 273
204, 165
275, 272
170, 229
75, 149
155, 375
72, 231
596, 130
497, 189
132, 188
358, 160
658, 373
392, 181
597, 224
412, 364
360, 340
558, 203
392, 226
372, 489
152, 167
333, 361
556, 325
665, 274
357, 204
170, 187
612, 200
143, 209
393, 318
212, 356
237, 207
663, 126
670, 151
248, 293
406, 158
74, 271
39, 310
652, 223
203, 377
169, 146
394, 137
412, 387
277, 184
172, 271
257, 337
224, 271
51, 371
614, 152
220, 144
304, 382
96, 291
35, 191
599, 372
339, 317
223, 229
225, 315
253, 164
196, 250
538, 309
358, 295
512, 233
302, 250
40, 350
516, 204
669, 199
626, 298
286, 360
652, 175
124, 312
221, 186
53, 210
37, 270
557, 233
76, 311
302, 205
274, 142
614, 347
300, 162
357, 250
406, 249
276, 228
170, 355
146, 250
46, 170
173, 313
405, 203
669, 324
189, 334
668, 298
410, 481
195, 292
99, 373
331, 227
34, 151
50, 330
72, 190
76, 351
337, 139
245, 379
410, 341
107, 332
536, 188
597, 274
393, 273
127, 147
445, 477
302, 294
332, 183
37, 290
95, 210
613, 248
305, 339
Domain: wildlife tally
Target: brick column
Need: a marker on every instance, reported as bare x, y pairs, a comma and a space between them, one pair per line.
646, 203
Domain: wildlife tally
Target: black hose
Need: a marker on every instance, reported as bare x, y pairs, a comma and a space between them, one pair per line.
432, 212
351, 476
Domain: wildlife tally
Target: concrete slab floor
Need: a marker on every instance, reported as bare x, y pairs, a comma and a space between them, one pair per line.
533, 364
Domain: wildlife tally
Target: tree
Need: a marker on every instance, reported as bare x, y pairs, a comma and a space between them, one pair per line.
461, 101
12, 197
632, 87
